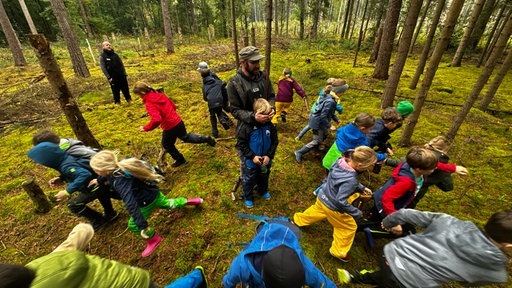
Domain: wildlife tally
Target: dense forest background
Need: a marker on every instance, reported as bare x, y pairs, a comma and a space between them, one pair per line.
450, 58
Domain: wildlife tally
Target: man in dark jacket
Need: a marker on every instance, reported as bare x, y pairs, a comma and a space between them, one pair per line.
113, 68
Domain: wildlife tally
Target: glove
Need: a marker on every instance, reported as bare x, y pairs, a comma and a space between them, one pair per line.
179, 202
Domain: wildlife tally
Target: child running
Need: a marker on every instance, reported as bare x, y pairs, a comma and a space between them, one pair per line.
334, 200
137, 183
258, 144
284, 96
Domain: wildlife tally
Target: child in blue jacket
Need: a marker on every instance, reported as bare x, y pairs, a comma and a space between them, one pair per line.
137, 183
258, 144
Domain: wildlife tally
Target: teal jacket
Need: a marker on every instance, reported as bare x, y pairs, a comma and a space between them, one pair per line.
76, 269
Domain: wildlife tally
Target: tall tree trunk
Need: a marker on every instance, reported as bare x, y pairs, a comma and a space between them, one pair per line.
31, 25
401, 56
489, 95
376, 45
354, 19
12, 39
491, 36
233, 27
344, 29
457, 58
428, 43
60, 12
497, 52
302, 16
360, 38
166, 16
85, 18
287, 15
448, 27
60, 87
316, 18
480, 24
268, 40
276, 17
419, 26
388, 37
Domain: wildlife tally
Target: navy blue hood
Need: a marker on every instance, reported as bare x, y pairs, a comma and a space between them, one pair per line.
48, 154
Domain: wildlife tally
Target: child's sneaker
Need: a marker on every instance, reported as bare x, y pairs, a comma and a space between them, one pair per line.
204, 283
344, 276
248, 204
297, 139
194, 201
266, 196
342, 259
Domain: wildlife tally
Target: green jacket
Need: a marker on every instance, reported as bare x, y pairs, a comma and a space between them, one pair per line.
70, 269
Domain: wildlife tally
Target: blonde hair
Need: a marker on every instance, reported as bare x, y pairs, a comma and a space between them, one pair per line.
142, 88
364, 156
330, 81
338, 82
261, 105
327, 90
439, 143
364, 120
286, 69
106, 161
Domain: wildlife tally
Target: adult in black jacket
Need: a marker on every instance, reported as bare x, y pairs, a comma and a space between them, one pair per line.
113, 68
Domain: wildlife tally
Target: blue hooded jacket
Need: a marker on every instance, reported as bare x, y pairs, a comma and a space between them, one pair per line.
76, 172
272, 235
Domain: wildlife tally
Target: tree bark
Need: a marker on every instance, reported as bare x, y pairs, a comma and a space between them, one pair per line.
401, 56
428, 43
268, 40
233, 28
31, 25
489, 95
36, 194
497, 52
66, 101
376, 45
344, 29
360, 38
448, 27
166, 16
491, 36
85, 18
419, 26
276, 18
12, 39
60, 12
457, 58
480, 24
302, 16
388, 37
316, 18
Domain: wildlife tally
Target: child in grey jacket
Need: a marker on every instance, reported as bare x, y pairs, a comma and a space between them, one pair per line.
449, 249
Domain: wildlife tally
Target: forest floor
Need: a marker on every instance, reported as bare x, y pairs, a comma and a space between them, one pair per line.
200, 236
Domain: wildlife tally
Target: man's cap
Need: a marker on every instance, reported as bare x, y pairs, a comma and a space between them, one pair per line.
202, 65
283, 268
250, 53
404, 108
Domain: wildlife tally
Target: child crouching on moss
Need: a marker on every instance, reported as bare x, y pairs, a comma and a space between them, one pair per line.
137, 183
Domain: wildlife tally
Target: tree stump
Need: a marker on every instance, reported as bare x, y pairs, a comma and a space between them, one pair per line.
41, 202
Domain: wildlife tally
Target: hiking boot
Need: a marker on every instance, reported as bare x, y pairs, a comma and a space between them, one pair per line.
283, 117
266, 196
249, 204
98, 224
194, 201
112, 216
204, 283
151, 245
211, 141
226, 126
179, 162
344, 276
342, 259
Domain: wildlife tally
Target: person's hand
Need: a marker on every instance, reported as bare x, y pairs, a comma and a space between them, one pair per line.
389, 152
62, 195
461, 170
93, 183
263, 118
258, 160
143, 233
367, 191
397, 230
55, 182
141, 129
110, 80
266, 159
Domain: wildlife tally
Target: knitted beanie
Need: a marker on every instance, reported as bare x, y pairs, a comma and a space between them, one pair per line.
404, 108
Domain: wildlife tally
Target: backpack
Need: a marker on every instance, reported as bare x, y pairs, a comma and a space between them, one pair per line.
77, 149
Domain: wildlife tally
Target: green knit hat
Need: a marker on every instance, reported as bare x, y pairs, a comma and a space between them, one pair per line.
404, 108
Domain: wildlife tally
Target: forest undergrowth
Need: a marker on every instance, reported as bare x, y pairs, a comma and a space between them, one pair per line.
200, 236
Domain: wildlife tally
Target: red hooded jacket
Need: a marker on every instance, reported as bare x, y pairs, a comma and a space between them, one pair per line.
161, 110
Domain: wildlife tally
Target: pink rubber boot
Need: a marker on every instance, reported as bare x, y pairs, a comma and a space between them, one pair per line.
194, 201
152, 243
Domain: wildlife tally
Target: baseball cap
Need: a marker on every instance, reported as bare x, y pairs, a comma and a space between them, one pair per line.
202, 65
250, 53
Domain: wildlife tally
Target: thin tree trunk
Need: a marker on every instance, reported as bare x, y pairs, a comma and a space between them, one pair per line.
448, 27
166, 17
31, 25
276, 14
12, 39
355, 19
268, 45
60, 12
316, 19
388, 37
85, 18
401, 56
302, 16
344, 29
480, 24
376, 45
36, 194
420, 25
287, 16
360, 39
60, 87
428, 43
233, 27
457, 58
497, 52
491, 36
507, 64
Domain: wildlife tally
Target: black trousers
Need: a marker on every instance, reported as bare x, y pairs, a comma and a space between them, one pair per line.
383, 278
118, 85
179, 131
217, 113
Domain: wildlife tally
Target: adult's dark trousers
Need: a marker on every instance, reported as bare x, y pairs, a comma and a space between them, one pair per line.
78, 205
253, 176
383, 278
217, 113
118, 85
179, 131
